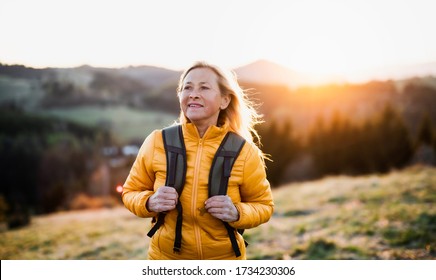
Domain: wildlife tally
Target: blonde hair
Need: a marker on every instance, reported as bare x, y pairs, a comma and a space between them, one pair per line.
241, 114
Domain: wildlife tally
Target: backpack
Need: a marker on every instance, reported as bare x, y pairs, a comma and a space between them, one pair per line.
219, 175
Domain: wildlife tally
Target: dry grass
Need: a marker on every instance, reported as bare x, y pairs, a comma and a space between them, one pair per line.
87, 234
390, 216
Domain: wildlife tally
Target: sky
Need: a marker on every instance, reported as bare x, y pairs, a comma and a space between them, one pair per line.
320, 37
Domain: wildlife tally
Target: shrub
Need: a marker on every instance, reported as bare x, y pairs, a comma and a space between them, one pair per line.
83, 201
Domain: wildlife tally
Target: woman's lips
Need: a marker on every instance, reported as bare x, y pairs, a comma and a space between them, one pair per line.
195, 105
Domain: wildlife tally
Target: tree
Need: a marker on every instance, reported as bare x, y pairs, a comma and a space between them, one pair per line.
381, 143
44, 161
281, 145
425, 131
392, 141
331, 147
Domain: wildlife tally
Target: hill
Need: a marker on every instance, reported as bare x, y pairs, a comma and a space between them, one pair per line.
279, 90
269, 73
142, 87
370, 217
388, 216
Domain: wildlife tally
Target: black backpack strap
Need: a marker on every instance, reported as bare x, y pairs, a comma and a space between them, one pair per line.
222, 163
175, 177
176, 157
220, 172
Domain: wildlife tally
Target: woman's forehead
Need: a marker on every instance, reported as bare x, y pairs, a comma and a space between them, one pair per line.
201, 75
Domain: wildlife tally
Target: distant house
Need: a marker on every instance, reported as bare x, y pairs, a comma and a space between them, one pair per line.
130, 150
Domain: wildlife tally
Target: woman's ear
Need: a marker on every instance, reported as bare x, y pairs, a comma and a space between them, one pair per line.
225, 101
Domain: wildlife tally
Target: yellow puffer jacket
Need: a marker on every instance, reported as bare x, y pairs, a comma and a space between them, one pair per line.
203, 236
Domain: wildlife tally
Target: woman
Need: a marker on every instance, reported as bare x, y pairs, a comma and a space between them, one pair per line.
212, 104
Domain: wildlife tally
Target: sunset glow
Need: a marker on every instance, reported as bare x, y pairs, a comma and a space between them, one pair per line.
347, 38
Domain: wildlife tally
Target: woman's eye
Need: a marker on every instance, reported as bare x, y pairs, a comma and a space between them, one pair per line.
187, 87
204, 88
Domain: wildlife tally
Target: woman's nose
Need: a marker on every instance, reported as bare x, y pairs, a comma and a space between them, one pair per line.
194, 93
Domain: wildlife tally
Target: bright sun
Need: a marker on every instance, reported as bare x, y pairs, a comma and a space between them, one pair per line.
324, 38
332, 58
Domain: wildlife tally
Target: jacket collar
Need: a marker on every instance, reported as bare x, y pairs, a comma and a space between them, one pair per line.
190, 130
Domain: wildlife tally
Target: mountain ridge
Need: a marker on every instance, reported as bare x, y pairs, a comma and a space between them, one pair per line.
260, 71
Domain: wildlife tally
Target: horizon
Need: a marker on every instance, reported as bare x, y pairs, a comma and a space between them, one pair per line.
314, 80
338, 38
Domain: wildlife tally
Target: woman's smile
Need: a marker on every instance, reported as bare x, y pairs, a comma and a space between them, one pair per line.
195, 105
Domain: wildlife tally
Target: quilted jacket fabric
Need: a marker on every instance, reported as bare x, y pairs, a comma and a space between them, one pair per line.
203, 236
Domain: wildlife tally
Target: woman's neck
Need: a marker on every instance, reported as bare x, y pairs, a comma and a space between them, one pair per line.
201, 129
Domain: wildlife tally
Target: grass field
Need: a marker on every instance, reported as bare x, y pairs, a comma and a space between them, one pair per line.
391, 216
125, 123
24, 93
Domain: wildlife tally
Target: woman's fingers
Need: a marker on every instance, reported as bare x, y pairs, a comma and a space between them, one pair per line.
222, 207
164, 199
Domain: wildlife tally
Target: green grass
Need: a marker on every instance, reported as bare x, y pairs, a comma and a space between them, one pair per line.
390, 216
20, 92
125, 123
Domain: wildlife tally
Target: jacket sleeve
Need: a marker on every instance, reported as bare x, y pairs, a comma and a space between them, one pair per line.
139, 184
256, 206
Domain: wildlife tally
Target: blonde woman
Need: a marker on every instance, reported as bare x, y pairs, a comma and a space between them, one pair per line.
212, 104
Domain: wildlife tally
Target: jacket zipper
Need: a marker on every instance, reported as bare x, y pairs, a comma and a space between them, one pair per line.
194, 198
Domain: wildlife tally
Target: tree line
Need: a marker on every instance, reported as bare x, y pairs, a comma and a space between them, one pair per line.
339, 146
44, 162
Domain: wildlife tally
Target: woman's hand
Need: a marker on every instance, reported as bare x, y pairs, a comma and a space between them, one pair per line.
164, 199
222, 207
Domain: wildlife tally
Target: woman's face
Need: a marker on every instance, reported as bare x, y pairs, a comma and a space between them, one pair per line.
200, 98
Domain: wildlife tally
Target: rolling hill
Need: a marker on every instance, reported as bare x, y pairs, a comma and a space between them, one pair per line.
391, 216
270, 73
279, 90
